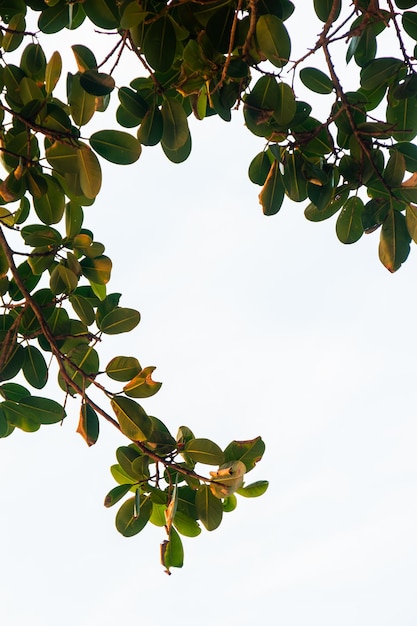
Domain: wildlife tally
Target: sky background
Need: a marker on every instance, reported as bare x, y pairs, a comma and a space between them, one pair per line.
257, 326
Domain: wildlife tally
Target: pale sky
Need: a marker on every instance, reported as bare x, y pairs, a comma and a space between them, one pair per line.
256, 325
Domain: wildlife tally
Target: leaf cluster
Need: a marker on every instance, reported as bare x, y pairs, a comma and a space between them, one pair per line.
187, 58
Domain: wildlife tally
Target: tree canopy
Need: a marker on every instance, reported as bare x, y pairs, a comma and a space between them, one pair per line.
187, 58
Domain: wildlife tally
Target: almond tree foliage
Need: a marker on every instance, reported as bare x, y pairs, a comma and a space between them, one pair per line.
187, 57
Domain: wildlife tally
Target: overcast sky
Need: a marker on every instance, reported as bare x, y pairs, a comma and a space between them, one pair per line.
257, 326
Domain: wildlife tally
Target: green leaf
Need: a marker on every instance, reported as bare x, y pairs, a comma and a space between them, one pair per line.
133, 104
82, 104
411, 221
40, 235
204, 451
273, 40
254, 490
116, 494
259, 168
395, 169
209, 508
403, 116
90, 172
160, 438
116, 146
82, 308
336, 200
120, 320
159, 44
142, 385
62, 280
50, 207
349, 227
218, 28
394, 245
187, 526
250, 452
18, 416
6, 429
133, 420
34, 368
229, 503
86, 362
103, 13
123, 368
293, 178
97, 83
175, 131
13, 391
409, 22
323, 9
127, 523
381, 71
119, 475
33, 62
173, 552
409, 152
151, 128
97, 269
13, 37
273, 191
178, 155
316, 80
88, 425
45, 411
84, 58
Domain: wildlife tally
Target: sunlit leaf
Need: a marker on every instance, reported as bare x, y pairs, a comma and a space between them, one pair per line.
250, 452
273, 39
254, 489
204, 451
209, 508
142, 385
133, 420
123, 368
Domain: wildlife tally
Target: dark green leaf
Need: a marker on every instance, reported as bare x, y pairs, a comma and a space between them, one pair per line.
127, 523
116, 494
88, 425
44, 410
160, 44
34, 368
116, 146
349, 223
97, 83
409, 22
316, 80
